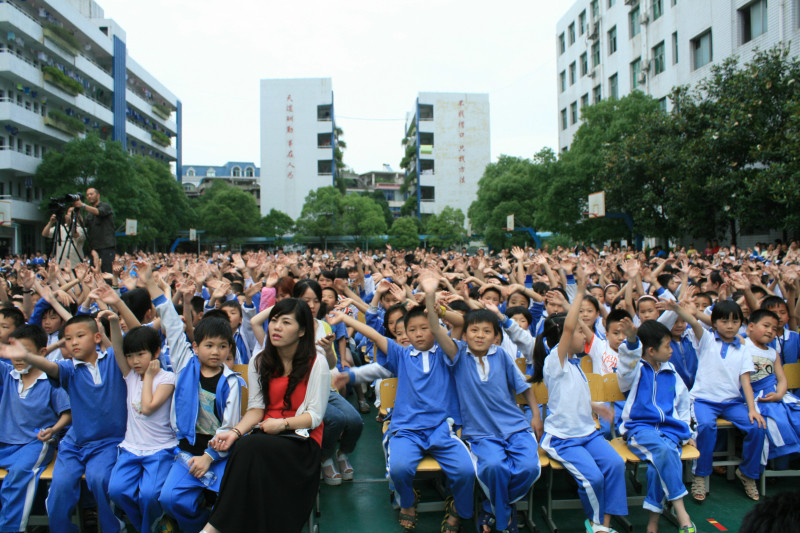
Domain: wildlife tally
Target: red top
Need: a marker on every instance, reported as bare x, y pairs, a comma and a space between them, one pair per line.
275, 407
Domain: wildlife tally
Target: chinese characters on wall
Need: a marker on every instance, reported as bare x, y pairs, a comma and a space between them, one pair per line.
289, 137
462, 151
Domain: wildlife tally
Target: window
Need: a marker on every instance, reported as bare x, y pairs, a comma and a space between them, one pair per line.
611, 3
573, 109
595, 7
236, 172
427, 193
634, 24
248, 172
675, 48
584, 63
426, 166
584, 101
582, 23
562, 44
426, 111
636, 71
571, 33
701, 50
595, 54
662, 104
324, 167
612, 40
659, 61
597, 94
658, 9
613, 87
190, 173
754, 20
210, 173
324, 112
564, 124
562, 81
324, 140
572, 73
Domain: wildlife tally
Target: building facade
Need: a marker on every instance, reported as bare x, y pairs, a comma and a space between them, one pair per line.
447, 150
387, 181
65, 72
297, 141
609, 48
244, 175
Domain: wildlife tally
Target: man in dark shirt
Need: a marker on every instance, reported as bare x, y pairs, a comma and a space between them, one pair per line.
100, 226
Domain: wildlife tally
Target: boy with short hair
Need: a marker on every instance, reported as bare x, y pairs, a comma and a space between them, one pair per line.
10, 319
97, 396
34, 413
787, 343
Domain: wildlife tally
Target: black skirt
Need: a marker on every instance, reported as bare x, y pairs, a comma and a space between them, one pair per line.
270, 484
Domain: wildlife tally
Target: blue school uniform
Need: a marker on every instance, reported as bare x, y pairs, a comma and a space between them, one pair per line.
655, 422
97, 395
684, 359
717, 393
425, 400
570, 438
787, 346
22, 454
503, 447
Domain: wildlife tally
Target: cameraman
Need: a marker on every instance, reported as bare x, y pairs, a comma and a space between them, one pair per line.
69, 230
100, 225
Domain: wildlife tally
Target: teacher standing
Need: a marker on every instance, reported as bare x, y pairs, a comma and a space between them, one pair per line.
100, 227
272, 476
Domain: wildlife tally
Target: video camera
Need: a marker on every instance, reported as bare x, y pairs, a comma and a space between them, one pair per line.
59, 206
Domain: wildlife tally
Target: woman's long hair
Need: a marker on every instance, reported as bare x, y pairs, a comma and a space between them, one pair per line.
269, 364
300, 289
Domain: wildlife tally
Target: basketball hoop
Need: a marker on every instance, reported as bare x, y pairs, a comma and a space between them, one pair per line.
588, 214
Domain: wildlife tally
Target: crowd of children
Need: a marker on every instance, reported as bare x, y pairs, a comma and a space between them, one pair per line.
130, 376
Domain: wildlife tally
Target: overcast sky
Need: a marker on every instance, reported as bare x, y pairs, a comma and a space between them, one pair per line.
378, 54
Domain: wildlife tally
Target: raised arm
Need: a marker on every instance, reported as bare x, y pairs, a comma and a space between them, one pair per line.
428, 284
15, 350
116, 341
571, 322
337, 316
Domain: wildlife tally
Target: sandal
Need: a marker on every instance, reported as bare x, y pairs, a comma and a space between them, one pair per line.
749, 485
344, 465
405, 517
688, 529
597, 528
450, 510
485, 519
513, 526
330, 475
363, 407
699, 489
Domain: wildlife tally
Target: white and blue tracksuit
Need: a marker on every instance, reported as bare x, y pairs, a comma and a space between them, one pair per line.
22, 454
97, 394
655, 423
717, 393
181, 491
502, 444
571, 439
425, 400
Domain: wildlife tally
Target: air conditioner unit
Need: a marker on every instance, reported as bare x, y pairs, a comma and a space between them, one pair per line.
593, 73
642, 78
645, 19
593, 31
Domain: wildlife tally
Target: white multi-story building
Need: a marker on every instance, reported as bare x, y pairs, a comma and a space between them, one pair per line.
297, 141
65, 72
608, 48
447, 143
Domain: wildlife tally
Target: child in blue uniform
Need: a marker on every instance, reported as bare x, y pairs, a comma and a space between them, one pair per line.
97, 396
33, 414
207, 401
655, 420
722, 380
145, 456
570, 436
425, 400
787, 343
501, 439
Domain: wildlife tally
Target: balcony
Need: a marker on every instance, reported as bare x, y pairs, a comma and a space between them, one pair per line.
28, 120
13, 160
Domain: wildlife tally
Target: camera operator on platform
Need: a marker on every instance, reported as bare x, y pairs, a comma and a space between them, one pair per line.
100, 226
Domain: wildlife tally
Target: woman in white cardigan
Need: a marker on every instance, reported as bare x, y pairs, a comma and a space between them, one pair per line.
272, 476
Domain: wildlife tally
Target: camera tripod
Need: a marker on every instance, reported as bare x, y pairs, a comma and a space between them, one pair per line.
65, 241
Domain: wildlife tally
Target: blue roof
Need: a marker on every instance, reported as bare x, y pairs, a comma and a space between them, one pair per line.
225, 170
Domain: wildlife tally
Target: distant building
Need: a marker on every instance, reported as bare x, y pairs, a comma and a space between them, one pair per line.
387, 181
447, 150
241, 174
297, 141
65, 72
609, 48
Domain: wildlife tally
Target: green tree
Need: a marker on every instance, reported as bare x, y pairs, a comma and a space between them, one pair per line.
362, 217
227, 213
322, 214
169, 197
338, 159
403, 233
446, 228
276, 224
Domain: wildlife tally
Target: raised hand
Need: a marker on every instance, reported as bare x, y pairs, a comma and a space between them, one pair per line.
153, 368
105, 294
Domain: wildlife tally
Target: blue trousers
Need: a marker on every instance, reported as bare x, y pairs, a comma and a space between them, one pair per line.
705, 414
24, 463
95, 461
182, 496
598, 469
343, 426
135, 486
406, 449
664, 471
506, 471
